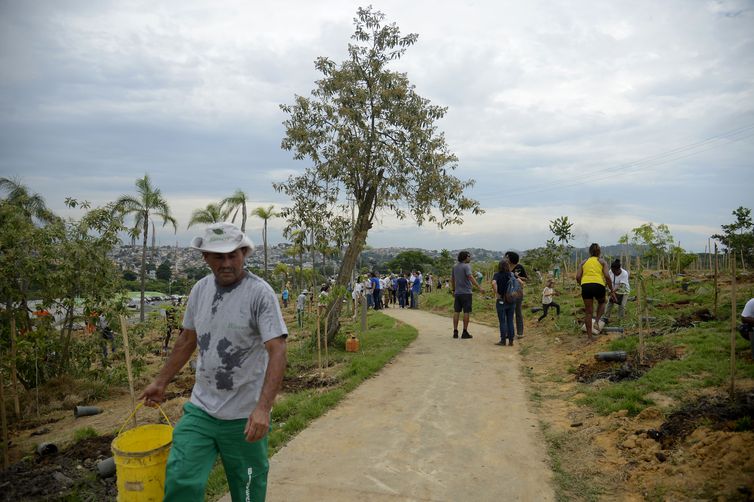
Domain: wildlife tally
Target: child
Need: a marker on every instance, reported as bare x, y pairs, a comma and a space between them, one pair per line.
285, 297
547, 302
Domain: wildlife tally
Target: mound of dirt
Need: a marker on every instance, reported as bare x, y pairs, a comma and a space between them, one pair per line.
52, 477
633, 368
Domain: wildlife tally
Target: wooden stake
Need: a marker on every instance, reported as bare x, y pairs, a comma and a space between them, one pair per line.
325, 339
124, 331
639, 309
13, 376
319, 331
715, 280
733, 329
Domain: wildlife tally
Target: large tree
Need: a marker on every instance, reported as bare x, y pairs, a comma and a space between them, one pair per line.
147, 204
372, 138
265, 214
739, 235
233, 205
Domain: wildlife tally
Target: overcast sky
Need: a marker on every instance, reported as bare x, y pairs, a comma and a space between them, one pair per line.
612, 113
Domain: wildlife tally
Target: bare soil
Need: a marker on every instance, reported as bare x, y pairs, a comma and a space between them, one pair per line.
703, 451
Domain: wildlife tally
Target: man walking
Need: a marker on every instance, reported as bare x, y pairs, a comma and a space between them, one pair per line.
234, 318
461, 282
520, 273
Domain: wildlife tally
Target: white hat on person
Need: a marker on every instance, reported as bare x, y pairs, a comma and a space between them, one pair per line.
222, 238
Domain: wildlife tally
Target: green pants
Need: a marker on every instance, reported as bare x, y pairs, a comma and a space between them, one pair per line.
197, 439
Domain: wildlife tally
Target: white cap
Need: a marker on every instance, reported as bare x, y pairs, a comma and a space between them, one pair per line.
222, 238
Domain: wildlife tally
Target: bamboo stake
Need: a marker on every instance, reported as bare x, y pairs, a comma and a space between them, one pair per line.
639, 309
709, 254
13, 376
715, 280
124, 331
733, 329
327, 317
4, 420
319, 348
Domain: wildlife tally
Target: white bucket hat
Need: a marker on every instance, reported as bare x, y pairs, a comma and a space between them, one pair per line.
222, 238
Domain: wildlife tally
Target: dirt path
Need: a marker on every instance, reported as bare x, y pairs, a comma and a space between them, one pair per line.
447, 420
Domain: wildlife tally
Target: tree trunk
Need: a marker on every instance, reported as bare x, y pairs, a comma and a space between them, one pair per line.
65, 334
4, 420
13, 379
264, 241
143, 267
243, 217
346, 267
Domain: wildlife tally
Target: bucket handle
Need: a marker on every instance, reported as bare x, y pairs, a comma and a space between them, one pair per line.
137, 409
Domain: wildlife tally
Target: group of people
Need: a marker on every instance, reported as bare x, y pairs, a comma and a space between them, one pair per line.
608, 286
381, 291
509, 309
234, 318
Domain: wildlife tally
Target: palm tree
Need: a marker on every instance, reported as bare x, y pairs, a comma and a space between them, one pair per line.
148, 202
210, 214
233, 204
32, 204
265, 214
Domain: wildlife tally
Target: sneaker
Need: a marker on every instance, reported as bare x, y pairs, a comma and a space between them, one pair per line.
455, 333
510, 342
466, 334
501, 342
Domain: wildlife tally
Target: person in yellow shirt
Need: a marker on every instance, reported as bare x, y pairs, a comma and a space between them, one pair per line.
594, 277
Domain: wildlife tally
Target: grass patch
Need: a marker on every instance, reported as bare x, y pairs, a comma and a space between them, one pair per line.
383, 340
85, 433
572, 482
705, 363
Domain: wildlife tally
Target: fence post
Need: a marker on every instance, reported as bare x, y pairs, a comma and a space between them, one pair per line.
124, 331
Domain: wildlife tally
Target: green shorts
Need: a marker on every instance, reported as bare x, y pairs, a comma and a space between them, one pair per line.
197, 439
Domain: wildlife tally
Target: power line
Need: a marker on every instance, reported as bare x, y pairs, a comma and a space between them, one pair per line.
675, 154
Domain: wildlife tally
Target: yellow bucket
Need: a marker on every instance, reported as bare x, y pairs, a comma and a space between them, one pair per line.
141, 455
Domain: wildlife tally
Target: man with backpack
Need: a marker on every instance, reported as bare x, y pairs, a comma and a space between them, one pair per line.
461, 282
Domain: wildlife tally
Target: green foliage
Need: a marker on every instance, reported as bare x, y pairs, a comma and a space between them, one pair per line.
370, 137
149, 203
739, 235
443, 263
656, 240
407, 261
84, 433
210, 214
164, 272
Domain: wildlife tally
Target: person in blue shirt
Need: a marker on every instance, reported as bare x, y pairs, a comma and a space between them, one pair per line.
376, 291
416, 289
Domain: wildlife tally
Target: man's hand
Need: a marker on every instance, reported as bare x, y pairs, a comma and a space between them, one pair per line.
258, 425
154, 394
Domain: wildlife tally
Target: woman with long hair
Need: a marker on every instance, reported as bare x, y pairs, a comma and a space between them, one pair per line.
594, 278
504, 310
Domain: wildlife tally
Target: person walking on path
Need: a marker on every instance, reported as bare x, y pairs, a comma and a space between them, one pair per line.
416, 289
594, 279
504, 310
621, 288
519, 271
285, 297
300, 306
402, 290
376, 291
461, 282
234, 318
547, 302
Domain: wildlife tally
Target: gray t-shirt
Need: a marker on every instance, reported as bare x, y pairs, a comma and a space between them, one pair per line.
461, 273
232, 324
